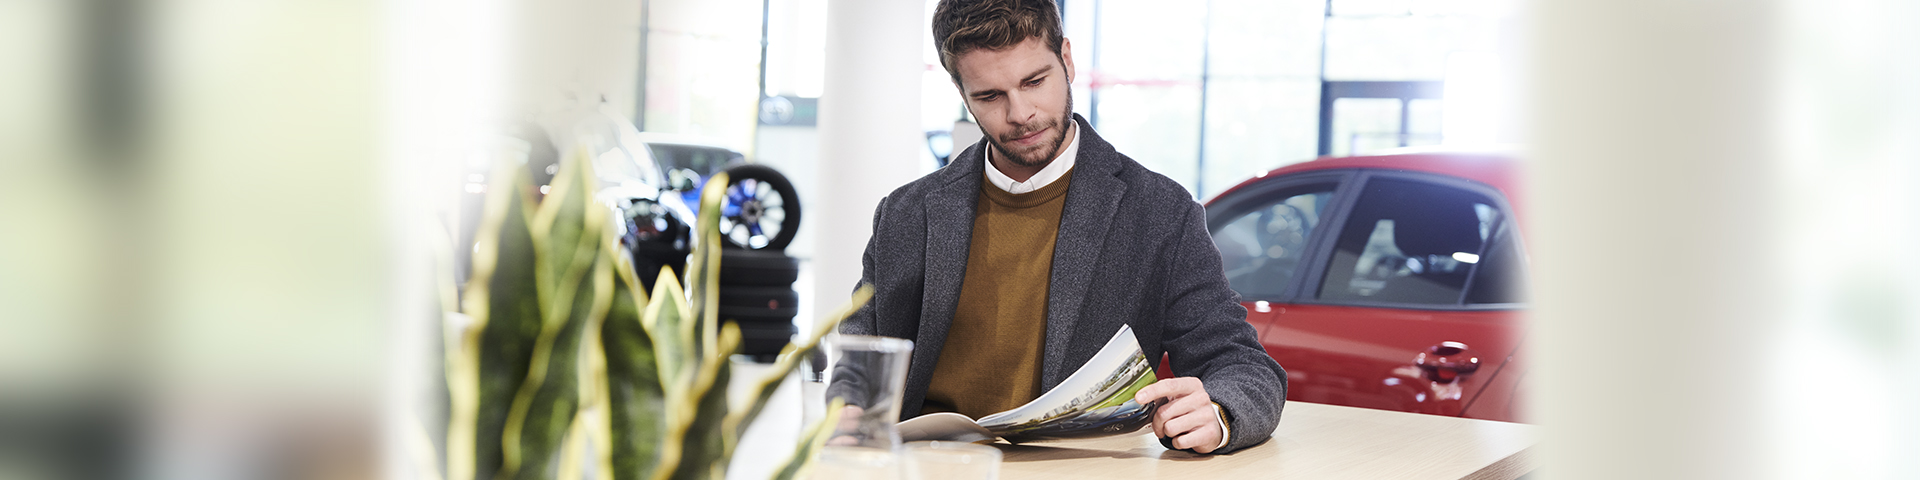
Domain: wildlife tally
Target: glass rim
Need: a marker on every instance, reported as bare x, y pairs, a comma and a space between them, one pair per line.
869, 343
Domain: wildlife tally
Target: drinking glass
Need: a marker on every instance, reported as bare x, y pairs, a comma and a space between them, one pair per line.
869, 373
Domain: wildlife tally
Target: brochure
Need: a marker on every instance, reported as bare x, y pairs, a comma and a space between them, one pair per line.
1096, 401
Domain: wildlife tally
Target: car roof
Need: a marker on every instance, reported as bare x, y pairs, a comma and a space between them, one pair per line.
1495, 168
684, 140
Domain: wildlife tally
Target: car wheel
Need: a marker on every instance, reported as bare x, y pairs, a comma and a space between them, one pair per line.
760, 211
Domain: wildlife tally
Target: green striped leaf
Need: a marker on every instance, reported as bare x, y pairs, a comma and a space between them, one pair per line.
635, 396
544, 406
493, 352
704, 444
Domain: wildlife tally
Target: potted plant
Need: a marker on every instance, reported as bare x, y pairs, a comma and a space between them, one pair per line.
557, 364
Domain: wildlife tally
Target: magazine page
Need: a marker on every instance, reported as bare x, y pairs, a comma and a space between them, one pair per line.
1096, 400
943, 426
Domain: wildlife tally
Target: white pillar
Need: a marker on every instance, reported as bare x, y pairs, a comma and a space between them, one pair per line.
1654, 183
1726, 215
869, 132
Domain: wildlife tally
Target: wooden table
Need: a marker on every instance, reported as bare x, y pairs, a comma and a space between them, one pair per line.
1313, 441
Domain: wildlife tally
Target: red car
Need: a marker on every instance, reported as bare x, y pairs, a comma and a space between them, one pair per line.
1389, 281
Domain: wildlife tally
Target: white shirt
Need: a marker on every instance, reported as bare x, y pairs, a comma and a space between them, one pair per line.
1053, 171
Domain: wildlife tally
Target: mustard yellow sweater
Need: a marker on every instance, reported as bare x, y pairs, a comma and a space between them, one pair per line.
991, 360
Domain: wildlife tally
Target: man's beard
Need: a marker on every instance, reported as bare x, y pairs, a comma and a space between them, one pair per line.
1046, 149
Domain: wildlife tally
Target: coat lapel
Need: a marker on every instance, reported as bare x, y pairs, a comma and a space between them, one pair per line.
1092, 200
949, 213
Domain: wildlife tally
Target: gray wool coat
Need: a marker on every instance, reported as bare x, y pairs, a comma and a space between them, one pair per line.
1133, 249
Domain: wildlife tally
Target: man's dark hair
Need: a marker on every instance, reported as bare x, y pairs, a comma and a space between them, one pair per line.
961, 26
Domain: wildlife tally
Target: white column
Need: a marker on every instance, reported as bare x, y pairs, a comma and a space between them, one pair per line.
869, 132
1653, 188
1726, 219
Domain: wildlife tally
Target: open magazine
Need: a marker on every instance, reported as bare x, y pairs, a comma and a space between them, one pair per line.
1096, 401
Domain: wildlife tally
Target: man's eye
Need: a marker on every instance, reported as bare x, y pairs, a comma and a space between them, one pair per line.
987, 98
1035, 82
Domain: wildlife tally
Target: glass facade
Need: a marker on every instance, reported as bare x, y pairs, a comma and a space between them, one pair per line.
1206, 92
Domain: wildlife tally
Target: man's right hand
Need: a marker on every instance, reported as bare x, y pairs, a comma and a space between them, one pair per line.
847, 432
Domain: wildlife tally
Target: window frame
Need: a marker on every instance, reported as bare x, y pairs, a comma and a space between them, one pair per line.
1306, 288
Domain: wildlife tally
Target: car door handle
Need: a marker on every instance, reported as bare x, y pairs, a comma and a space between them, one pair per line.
1447, 361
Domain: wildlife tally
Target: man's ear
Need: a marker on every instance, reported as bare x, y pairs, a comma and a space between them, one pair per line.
1066, 57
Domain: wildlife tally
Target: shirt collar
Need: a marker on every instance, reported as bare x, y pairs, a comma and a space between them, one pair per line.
1053, 171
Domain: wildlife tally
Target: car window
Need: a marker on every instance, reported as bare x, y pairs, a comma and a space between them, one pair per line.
704, 161
1412, 242
1262, 248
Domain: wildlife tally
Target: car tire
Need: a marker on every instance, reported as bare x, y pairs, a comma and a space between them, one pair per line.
757, 268
764, 339
758, 199
757, 316
767, 302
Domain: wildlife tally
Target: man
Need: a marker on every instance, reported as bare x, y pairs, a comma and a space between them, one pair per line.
1014, 264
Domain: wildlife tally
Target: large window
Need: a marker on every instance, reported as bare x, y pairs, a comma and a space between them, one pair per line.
702, 67
1207, 93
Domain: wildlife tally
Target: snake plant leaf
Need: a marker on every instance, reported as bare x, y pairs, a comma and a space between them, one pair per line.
543, 409
703, 270
635, 396
560, 222
493, 352
590, 425
669, 320
665, 316
573, 455
761, 390
811, 441
703, 443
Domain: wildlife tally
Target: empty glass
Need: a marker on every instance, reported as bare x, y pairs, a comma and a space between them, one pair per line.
870, 374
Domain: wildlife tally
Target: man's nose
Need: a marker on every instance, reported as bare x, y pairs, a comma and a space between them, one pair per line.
1019, 111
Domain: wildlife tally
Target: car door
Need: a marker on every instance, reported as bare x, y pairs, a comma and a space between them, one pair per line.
1410, 300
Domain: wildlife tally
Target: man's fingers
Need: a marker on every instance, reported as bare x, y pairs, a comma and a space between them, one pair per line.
1147, 394
1185, 442
1196, 430
1188, 423
1201, 441
1186, 416
1167, 389
1191, 402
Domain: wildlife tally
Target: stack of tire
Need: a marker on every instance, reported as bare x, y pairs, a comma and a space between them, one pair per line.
762, 213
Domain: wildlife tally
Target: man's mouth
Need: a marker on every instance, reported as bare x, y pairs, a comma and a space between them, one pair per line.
1029, 138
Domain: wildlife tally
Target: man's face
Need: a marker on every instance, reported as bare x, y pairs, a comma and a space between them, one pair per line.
1021, 98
